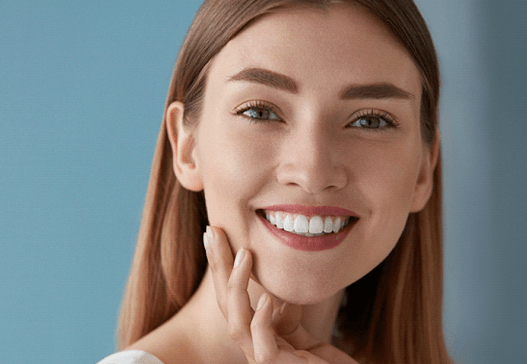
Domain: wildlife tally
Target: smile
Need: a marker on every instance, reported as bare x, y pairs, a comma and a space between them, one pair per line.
305, 225
316, 229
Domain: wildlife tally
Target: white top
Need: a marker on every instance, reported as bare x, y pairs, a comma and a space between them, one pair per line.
131, 357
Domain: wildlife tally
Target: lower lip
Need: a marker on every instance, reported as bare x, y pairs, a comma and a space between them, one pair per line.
308, 244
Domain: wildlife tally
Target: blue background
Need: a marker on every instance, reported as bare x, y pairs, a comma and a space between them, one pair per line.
82, 90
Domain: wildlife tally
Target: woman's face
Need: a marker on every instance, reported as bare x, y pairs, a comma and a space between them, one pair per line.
312, 108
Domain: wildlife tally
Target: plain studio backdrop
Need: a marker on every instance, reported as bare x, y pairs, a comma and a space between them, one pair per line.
82, 91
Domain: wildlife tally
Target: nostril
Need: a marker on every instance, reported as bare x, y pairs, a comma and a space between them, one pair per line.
312, 177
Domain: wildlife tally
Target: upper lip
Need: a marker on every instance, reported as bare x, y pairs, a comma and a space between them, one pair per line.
311, 210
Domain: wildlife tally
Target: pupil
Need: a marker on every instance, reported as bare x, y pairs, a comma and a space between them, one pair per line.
261, 114
371, 122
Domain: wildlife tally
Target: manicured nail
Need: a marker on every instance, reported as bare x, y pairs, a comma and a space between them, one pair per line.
210, 235
205, 241
282, 308
262, 301
240, 256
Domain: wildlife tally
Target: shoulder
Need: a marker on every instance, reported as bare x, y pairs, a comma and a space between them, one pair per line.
131, 357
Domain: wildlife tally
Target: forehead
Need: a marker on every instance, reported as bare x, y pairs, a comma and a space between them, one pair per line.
316, 46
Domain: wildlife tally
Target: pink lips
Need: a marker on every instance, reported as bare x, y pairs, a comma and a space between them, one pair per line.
304, 243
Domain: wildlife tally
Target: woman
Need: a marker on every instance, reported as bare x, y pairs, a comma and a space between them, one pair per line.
302, 137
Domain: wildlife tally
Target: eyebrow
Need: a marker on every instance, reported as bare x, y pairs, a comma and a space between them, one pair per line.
375, 91
267, 78
286, 83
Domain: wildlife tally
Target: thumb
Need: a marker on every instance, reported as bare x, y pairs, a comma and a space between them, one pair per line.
288, 326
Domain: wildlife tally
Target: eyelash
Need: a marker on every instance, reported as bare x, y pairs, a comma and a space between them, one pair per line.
262, 105
390, 121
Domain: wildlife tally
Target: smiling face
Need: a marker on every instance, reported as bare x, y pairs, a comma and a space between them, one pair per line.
311, 120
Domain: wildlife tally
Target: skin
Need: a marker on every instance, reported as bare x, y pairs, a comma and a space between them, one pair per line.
310, 151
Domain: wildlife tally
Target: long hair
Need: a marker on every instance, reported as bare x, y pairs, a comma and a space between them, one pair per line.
394, 312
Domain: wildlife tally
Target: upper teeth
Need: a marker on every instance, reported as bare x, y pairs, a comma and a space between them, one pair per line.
307, 226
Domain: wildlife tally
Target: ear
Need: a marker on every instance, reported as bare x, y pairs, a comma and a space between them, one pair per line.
425, 179
183, 148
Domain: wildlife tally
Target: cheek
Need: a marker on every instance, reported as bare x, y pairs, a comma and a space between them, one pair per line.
387, 175
388, 187
392, 185
228, 148
233, 168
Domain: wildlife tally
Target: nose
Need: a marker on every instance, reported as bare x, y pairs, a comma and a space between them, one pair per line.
310, 159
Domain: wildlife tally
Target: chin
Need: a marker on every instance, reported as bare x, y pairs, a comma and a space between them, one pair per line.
304, 297
300, 290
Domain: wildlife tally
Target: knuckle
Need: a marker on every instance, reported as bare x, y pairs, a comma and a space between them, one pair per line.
257, 325
231, 285
264, 358
236, 332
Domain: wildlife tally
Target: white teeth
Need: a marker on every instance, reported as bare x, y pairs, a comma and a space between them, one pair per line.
315, 225
279, 222
302, 225
288, 223
328, 225
336, 225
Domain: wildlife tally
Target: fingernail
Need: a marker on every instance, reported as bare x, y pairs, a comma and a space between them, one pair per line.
205, 241
282, 308
240, 256
262, 301
210, 235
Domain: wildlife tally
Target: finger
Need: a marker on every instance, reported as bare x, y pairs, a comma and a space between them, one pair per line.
331, 354
267, 348
239, 311
288, 326
311, 358
220, 259
264, 340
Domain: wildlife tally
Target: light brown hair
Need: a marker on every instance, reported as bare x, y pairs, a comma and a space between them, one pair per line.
394, 314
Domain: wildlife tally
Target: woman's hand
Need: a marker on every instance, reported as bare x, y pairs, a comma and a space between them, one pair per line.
267, 335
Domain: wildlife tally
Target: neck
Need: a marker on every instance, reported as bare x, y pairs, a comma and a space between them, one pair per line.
205, 324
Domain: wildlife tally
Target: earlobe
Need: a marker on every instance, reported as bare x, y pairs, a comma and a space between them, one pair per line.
183, 146
425, 180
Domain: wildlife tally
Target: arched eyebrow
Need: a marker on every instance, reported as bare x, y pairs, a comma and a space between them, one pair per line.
375, 91
285, 83
267, 78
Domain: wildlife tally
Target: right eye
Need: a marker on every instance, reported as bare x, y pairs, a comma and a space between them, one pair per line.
258, 111
260, 114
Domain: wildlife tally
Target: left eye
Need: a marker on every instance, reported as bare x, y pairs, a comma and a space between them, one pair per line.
260, 113
370, 122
